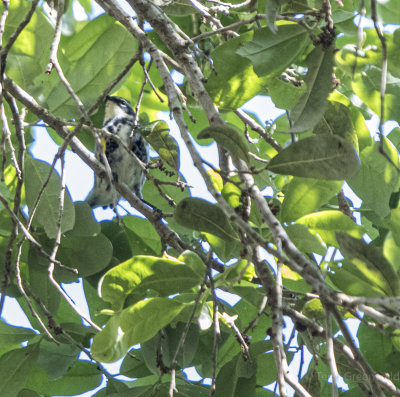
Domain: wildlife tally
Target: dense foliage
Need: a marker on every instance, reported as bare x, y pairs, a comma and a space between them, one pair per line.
280, 232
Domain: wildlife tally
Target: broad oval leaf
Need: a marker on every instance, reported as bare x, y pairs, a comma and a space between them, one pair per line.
269, 52
166, 276
135, 324
327, 223
304, 195
377, 178
164, 144
199, 214
36, 174
370, 262
320, 156
229, 138
233, 81
337, 121
15, 367
311, 106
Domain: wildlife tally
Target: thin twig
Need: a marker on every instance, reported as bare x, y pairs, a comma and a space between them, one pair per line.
172, 386
330, 351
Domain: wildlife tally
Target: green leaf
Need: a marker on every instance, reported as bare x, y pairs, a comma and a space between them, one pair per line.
134, 366
143, 238
294, 281
29, 55
57, 359
347, 277
391, 251
163, 143
166, 276
11, 337
89, 255
92, 59
304, 195
85, 225
233, 81
15, 367
81, 377
223, 248
327, 223
311, 106
394, 224
119, 239
304, 240
377, 178
135, 324
198, 214
366, 86
284, 94
370, 262
320, 156
269, 52
229, 138
35, 175
337, 121
272, 9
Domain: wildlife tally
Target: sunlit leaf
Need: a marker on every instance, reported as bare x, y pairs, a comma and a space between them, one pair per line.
166, 276
370, 262
164, 144
377, 178
304, 195
233, 81
327, 223
135, 324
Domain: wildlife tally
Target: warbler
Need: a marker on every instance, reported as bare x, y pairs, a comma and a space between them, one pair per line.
119, 119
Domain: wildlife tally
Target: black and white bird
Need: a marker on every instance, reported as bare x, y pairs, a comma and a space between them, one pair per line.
119, 119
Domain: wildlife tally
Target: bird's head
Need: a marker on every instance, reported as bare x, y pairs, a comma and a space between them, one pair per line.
117, 107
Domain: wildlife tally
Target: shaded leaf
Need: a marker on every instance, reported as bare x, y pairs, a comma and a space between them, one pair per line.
311, 106
198, 214
15, 367
89, 255
84, 225
269, 52
320, 156
304, 240
337, 121
229, 138
272, 9
81, 377
36, 173
284, 94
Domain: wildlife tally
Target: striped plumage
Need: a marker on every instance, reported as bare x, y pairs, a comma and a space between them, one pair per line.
119, 120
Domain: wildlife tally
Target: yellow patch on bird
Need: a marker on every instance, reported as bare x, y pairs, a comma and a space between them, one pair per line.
103, 143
